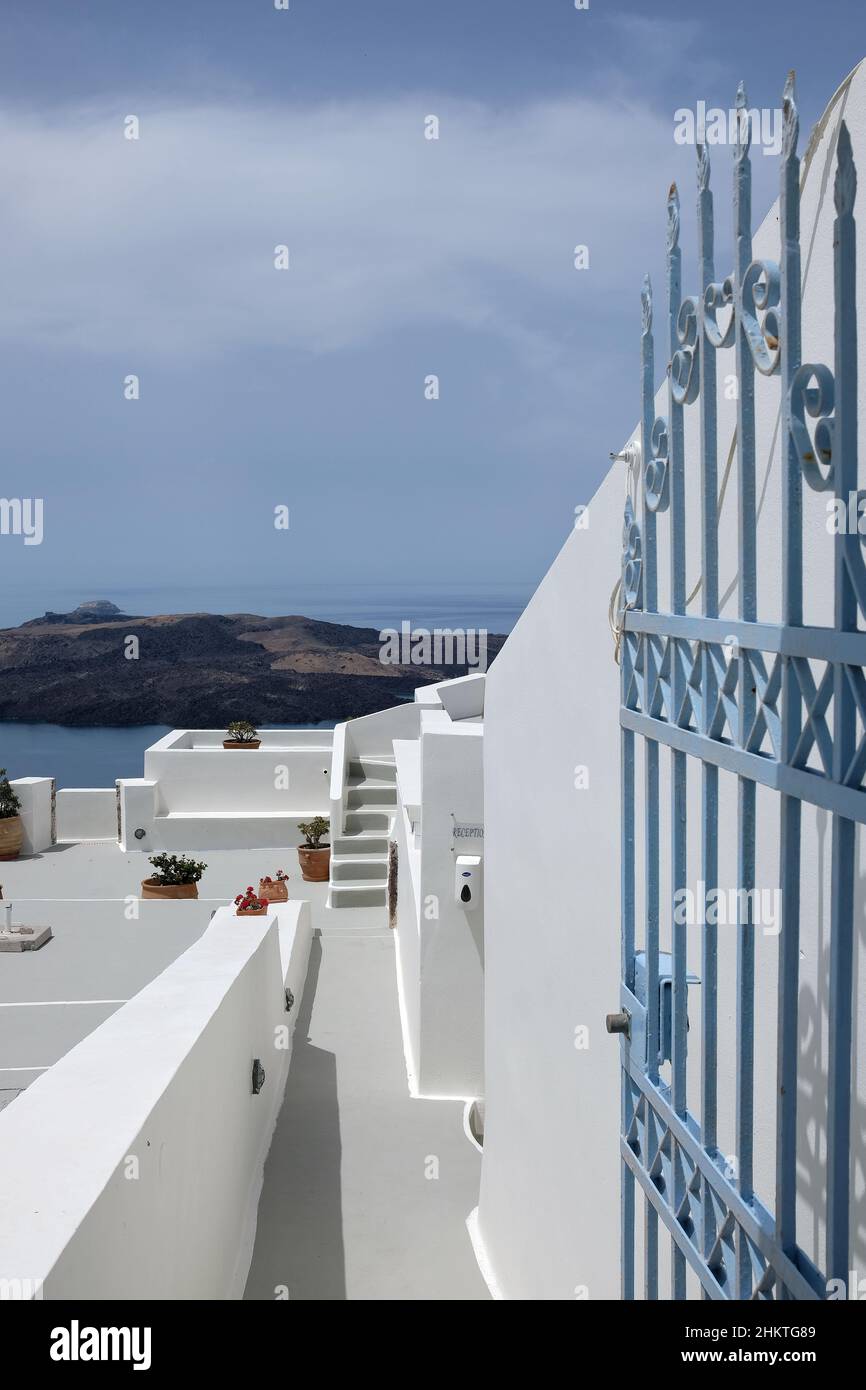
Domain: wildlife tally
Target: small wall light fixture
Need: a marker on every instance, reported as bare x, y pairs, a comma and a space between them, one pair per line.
258, 1076
631, 454
139, 834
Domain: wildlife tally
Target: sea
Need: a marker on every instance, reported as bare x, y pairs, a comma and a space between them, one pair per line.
95, 757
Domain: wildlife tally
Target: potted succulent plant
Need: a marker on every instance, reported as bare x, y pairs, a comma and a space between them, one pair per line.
241, 734
314, 857
274, 890
11, 829
249, 905
176, 877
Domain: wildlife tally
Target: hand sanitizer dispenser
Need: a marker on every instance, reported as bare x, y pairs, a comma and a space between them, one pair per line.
467, 881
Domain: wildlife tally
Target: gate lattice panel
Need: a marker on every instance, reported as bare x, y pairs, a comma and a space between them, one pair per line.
741, 696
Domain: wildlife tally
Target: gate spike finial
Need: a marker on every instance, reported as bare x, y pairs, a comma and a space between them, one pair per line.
703, 168
646, 304
743, 125
673, 217
845, 187
790, 118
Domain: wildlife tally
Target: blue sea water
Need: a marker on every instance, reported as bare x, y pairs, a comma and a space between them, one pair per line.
95, 757
83, 757
76, 757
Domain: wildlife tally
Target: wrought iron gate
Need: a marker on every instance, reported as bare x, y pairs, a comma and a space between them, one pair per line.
740, 697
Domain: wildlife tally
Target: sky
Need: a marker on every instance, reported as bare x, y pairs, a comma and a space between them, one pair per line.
408, 257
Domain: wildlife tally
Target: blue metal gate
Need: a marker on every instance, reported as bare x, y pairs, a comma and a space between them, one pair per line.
759, 714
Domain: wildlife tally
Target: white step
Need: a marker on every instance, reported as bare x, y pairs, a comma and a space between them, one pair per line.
358, 870
377, 822
199, 831
380, 768
370, 795
364, 843
356, 894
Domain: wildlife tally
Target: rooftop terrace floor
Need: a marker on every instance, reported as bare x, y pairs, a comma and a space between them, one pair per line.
366, 1190
100, 955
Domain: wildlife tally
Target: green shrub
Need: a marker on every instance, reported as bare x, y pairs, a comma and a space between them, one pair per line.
10, 804
314, 830
176, 868
241, 731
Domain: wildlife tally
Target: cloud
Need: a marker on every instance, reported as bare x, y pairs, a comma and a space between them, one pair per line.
162, 248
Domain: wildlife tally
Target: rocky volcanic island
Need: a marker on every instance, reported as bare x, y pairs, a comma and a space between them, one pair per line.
199, 670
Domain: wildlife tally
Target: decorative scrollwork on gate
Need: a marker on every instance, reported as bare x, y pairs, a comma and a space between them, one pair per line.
760, 315
815, 453
656, 470
631, 558
719, 295
685, 369
778, 705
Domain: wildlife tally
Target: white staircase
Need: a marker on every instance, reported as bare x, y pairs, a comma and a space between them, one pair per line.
359, 849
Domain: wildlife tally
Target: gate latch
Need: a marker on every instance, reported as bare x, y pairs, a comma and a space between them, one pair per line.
665, 999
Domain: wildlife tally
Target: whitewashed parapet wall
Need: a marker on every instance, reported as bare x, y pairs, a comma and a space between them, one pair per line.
194, 773
86, 813
197, 795
66, 816
440, 943
548, 1219
194, 795
164, 1143
36, 795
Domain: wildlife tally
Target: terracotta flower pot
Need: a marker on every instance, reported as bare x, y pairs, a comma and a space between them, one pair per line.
315, 863
273, 892
251, 911
11, 837
167, 892
238, 743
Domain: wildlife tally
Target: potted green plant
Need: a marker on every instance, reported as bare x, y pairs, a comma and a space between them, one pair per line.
176, 877
314, 857
274, 890
11, 829
241, 734
249, 905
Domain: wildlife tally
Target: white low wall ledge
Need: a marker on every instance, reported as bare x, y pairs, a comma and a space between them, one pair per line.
168, 1079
